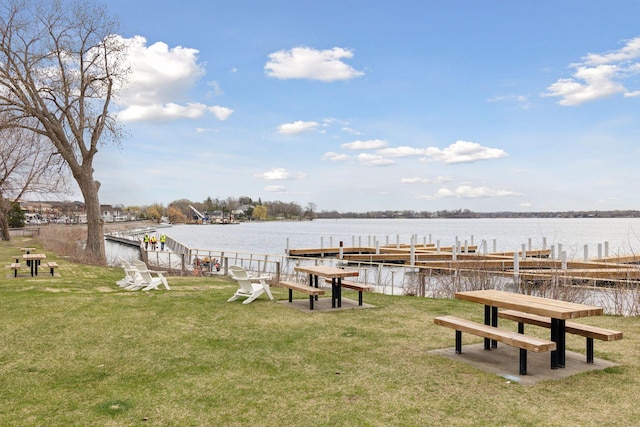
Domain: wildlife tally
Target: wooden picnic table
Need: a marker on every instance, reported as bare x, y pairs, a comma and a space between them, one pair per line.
557, 310
34, 261
333, 273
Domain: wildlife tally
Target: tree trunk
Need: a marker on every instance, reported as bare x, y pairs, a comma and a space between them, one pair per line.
4, 228
95, 235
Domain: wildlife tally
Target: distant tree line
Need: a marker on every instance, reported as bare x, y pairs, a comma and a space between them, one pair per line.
245, 208
241, 208
466, 213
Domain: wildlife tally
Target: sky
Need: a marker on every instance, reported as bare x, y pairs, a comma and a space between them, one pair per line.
357, 106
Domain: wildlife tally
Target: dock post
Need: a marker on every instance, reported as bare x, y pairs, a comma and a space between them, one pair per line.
341, 251
559, 250
599, 250
606, 249
438, 246
524, 252
586, 252
516, 267
544, 243
495, 245
412, 256
552, 255
563, 258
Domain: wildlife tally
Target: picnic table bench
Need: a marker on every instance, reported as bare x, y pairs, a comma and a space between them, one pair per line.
360, 287
309, 290
52, 266
523, 342
15, 266
587, 331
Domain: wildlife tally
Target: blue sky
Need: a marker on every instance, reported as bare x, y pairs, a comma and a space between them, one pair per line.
376, 105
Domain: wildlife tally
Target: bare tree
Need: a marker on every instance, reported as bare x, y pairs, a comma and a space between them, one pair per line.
28, 165
60, 62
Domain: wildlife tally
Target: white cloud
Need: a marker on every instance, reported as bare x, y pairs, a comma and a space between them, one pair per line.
403, 151
371, 144
367, 159
275, 189
629, 52
275, 174
159, 77
469, 192
598, 76
351, 131
437, 180
171, 111
335, 157
280, 174
307, 63
464, 152
458, 152
521, 100
296, 127
597, 82
221, 113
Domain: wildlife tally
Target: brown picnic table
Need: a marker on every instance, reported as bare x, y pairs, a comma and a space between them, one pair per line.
558, 311
332, 273
33, 260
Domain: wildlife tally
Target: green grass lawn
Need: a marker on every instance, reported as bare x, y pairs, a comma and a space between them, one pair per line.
78, 350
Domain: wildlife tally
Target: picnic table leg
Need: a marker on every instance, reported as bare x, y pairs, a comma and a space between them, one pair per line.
487, 321
313, 280
334, 292
554, 337
36, 262
561, 343
589, 350
494, 323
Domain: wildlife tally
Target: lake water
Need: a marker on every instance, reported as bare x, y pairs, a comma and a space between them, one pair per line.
621, 234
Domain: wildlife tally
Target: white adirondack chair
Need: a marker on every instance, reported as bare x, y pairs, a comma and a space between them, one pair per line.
151, 279
250, 287
131, 275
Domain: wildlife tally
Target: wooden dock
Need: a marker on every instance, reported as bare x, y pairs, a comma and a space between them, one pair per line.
531, 265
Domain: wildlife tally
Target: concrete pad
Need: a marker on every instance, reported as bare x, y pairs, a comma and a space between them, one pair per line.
505, 362
323, 305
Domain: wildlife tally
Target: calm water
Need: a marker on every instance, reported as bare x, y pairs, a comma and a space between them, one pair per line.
622, 234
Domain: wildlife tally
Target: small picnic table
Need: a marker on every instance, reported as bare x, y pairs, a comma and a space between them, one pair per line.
34, 261
328, 272
557, 310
